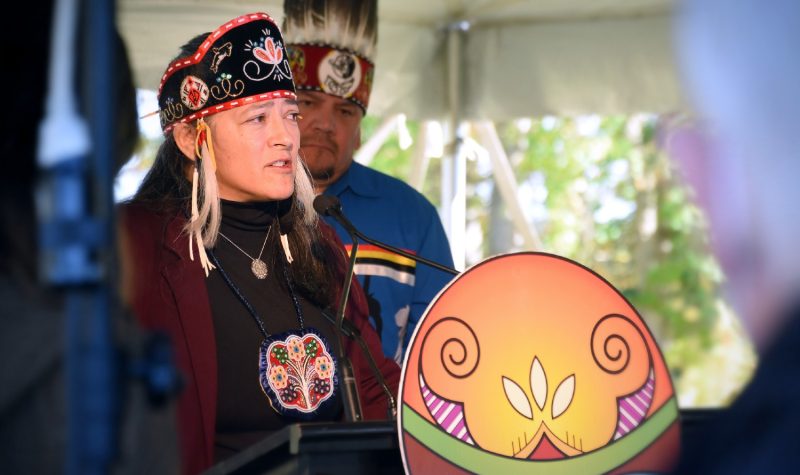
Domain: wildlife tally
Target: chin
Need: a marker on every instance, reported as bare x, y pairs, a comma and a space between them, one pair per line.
283, 192
279, 189
321, 174
320, 164
278, 196
270, 194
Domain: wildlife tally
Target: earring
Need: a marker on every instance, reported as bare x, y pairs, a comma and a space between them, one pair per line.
202, 147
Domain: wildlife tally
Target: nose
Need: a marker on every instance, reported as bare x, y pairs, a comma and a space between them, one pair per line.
279, 133
323, 119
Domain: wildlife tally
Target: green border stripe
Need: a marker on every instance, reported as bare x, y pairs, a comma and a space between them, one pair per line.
602, 460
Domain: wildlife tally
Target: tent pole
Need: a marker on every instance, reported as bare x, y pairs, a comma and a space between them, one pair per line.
367, 152
507, 183
420, 159
454, 169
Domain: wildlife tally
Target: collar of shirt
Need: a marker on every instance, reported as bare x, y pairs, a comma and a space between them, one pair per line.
357, 179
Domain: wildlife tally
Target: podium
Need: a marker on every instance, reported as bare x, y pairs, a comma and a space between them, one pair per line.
320, 448
358, 448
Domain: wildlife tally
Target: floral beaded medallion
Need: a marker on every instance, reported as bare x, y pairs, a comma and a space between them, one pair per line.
297, 372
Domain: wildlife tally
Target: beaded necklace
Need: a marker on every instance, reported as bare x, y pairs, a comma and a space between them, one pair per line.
296, 369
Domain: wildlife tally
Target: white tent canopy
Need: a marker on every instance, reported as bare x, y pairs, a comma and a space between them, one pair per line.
482, 59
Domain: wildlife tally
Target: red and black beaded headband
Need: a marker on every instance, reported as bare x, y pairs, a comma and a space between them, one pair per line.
241, 62
335, 71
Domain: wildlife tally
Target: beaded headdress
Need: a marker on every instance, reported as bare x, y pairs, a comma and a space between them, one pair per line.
331, 44
241, 62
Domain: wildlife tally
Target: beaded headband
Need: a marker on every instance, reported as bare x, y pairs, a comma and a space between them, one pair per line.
333, 71
331, 44
239, 63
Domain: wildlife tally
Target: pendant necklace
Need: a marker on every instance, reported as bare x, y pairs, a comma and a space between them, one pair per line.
297, 370
257, 266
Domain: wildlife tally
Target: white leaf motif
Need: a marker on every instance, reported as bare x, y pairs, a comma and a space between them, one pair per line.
516, 396
538, 383
563, 396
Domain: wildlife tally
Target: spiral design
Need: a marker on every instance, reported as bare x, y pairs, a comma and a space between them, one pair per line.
450, 346
171, 112
255, 76
227, 89
280, 69
616, 341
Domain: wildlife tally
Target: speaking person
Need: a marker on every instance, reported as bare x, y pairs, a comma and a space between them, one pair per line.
225, 253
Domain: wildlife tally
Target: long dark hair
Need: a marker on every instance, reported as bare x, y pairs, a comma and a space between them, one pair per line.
166, 190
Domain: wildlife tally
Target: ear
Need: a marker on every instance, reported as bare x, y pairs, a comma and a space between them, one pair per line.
185, 136
358, 136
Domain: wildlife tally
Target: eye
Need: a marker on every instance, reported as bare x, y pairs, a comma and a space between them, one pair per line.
258, 119
294, 116
347, 112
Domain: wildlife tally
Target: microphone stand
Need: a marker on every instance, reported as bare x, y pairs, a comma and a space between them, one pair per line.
351, 331
328, 205
347, 378
338, 215
403, 253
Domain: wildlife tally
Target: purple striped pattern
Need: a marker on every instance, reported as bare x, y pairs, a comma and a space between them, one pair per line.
449, 415
632, 409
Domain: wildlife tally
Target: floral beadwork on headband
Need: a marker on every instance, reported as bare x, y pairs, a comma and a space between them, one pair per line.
240, 62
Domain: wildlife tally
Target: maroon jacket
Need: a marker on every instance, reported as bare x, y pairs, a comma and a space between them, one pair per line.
167, 292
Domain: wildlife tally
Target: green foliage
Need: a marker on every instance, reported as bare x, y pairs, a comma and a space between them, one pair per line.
391, 159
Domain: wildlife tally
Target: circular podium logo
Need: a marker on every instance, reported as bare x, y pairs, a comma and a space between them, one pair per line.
533, 363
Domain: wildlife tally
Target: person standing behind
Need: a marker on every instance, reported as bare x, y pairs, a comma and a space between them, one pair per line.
329, 45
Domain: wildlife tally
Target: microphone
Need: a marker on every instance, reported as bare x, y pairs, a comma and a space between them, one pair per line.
352, 403
328, 205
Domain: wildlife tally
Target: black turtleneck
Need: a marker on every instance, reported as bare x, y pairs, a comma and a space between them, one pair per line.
244, 414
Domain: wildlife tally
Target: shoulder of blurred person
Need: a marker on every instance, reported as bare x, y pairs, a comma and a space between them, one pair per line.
32, 394
740, 72
33, 320
32, 407
758, 432
740, 68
